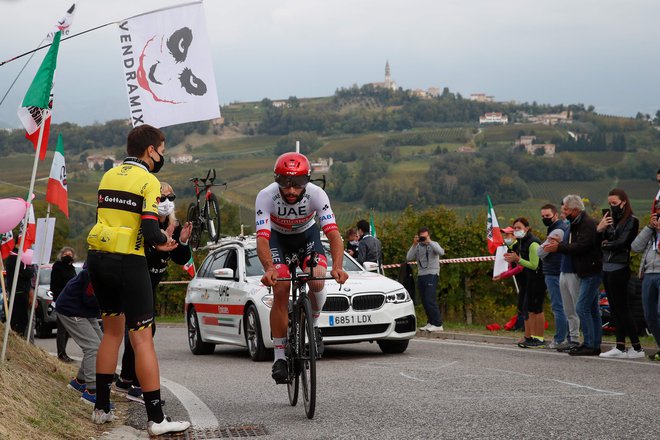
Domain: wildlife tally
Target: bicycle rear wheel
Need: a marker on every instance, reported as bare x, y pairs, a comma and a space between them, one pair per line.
196, 233
293, 385
212, 214
307, 351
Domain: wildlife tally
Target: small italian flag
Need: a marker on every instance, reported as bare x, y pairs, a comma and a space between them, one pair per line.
493, 234
190, 266
57, 193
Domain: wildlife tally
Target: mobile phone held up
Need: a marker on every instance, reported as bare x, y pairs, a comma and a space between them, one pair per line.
606, 211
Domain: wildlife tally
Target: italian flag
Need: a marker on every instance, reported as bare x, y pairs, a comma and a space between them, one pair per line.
31, 235
35, 109
56, 193
190, 266
493, 234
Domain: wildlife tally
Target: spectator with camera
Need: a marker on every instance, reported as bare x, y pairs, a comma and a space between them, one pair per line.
646, 244
427, 253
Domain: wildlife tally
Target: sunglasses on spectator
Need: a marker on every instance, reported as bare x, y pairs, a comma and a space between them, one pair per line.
170, 197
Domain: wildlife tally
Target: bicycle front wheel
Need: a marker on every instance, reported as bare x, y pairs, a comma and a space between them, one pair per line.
212, 214
307, 351
196, 233
293, 385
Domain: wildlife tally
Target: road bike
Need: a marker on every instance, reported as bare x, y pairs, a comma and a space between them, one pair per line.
204, 216
301, 349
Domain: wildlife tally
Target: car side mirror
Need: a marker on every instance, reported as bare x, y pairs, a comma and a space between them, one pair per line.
223, 274
370, 266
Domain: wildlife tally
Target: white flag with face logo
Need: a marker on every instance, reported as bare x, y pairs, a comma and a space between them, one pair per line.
168, 70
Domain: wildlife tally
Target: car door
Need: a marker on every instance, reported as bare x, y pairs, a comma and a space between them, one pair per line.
211, 294
233, 297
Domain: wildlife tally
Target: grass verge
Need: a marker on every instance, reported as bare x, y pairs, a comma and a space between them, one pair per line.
35, 402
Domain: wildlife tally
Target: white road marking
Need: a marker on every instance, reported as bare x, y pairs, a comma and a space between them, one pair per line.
411, 377
542, 351
613, 393
201, 415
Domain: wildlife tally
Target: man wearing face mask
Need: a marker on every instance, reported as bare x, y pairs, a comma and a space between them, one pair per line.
584, 246
551, 272
60, 274
127, 222
127, 382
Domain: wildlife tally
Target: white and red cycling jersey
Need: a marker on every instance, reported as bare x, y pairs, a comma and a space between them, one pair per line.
274, 213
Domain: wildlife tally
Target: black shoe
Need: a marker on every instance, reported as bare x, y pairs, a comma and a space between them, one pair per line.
320, 348
280, 372
583, 350
65, 358
526, 342
571, 346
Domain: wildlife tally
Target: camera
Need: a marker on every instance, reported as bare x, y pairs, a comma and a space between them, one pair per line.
422, 238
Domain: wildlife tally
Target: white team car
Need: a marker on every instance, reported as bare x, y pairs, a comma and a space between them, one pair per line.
227, 304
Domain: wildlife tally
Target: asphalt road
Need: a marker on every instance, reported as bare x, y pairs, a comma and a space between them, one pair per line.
438, 388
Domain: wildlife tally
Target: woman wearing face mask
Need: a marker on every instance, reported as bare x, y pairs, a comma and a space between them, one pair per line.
532, 286
617, 232
515, 272
60, 274
157, 262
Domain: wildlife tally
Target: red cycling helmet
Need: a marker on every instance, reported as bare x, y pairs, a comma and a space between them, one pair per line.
292, 170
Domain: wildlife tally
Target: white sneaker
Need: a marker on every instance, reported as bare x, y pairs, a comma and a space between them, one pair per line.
100, 417
634, 354
434, 328
614, 353
166, 426
425, 328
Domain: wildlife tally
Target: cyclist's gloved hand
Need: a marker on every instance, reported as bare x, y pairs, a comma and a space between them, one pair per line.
270, 277
339, 275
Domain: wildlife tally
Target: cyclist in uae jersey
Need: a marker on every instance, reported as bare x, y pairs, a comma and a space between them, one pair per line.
286, 229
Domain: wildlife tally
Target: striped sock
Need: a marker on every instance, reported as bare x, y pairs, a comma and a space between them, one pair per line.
279, 344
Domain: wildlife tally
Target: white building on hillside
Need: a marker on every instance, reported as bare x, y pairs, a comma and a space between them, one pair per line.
181, 158
494, 118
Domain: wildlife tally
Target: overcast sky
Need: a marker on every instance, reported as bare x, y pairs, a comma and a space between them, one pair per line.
596, 52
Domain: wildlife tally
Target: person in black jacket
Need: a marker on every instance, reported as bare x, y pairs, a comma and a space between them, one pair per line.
157, 262
584, 246
24, 292
617, 230
78, 311
60, 274
369, 247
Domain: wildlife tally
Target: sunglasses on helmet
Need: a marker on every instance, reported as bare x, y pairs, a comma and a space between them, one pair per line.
170, 197
285, 181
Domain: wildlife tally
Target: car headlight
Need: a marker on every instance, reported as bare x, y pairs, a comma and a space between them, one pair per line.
268, 300
398, 296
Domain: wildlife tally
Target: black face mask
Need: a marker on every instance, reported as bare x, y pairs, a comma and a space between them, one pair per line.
67, 259
158, 165
547, 221
617, 211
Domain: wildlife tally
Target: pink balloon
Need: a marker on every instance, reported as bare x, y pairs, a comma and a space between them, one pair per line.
12, 211
26, 258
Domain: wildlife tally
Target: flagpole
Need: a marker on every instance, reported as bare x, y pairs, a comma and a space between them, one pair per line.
4, 288
22, 242
36, 287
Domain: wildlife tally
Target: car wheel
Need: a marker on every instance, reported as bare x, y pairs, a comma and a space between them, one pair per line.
253, 338
393, 347
197, 346
41, 329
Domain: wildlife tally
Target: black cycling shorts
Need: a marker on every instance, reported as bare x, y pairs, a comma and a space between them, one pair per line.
534, 299
284, 248
122, 285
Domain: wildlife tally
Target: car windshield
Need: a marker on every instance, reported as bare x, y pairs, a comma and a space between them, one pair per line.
253, 266
44, 274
